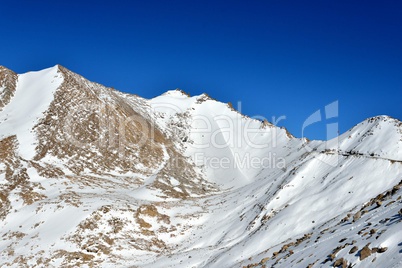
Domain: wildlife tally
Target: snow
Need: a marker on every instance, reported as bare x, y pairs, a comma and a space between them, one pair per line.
368, 137
33, 95
224, 143
307, 193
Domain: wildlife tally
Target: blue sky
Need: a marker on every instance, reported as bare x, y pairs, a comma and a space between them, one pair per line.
277, 57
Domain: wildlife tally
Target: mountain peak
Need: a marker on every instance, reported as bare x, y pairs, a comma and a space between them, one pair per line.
378, 121
56, 68
176, 93
4, 69
382, 118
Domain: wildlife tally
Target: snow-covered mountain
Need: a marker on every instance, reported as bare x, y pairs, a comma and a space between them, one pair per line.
93, 177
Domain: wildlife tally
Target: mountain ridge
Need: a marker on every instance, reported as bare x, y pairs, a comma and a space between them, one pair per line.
202, 96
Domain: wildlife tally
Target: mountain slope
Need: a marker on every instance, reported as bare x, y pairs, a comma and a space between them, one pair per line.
92, 176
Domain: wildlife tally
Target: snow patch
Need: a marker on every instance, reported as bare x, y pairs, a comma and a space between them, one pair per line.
34, 93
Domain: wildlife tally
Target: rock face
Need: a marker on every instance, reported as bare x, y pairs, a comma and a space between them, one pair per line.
90, 176
8, 80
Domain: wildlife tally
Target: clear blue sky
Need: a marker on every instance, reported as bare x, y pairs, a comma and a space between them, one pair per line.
277, 57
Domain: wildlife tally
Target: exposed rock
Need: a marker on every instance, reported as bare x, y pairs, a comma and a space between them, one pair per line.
357, 216
8, 81
365, 252
341, 263
353, 250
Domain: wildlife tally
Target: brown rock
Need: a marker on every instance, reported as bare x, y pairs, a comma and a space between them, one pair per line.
341, 263
284, 248
353, 250
357, 216
331, 256
365, 252
265, 260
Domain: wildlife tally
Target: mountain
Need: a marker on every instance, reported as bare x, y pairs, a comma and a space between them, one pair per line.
90, 176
